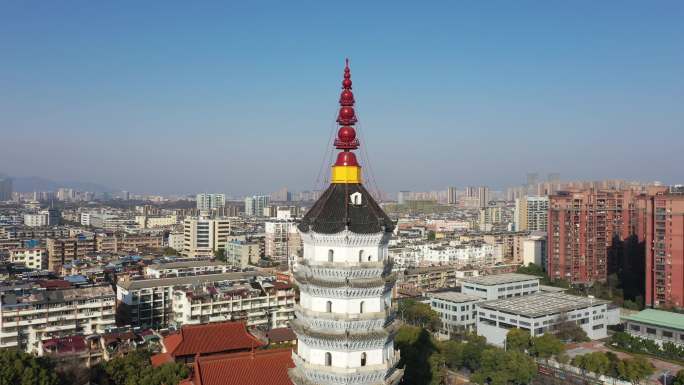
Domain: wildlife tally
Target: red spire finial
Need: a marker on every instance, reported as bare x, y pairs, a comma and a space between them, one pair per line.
346, 136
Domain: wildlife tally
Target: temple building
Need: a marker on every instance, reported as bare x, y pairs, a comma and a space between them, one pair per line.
345, 323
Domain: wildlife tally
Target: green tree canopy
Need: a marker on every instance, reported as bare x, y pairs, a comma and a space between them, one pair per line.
546, 346
135, 369
418, 314
518, 339
19, 368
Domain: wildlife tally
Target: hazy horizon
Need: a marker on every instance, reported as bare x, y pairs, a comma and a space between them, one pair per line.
179, 98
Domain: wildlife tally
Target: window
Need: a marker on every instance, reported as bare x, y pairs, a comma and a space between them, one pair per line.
328, 359
363, 359
361, 307
667, 334
328, 306
360, 255
650, 331
330, 255
597, 327
635, 328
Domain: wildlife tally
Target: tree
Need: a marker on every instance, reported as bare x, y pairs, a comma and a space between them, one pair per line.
220, 254
135, 369
518, 339
567, 330
500, 367
453, 353
679, 378
636, 369
416, 347
431, 236
472, 351
170, 251
418, 314
19, 368
546, 346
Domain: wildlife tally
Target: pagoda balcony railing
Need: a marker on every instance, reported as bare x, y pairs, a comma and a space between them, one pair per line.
307, 373
386, 314
347, 269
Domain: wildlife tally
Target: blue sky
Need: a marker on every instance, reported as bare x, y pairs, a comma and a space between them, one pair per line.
178, 97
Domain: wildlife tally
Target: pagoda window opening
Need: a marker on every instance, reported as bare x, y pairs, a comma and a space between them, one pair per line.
363, 359
360, 255
328, 359
328, 307
361, 307
330, 255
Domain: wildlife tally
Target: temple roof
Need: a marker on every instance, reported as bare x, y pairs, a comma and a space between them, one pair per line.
334, 212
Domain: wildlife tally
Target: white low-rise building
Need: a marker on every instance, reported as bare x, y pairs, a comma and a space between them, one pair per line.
540, 313
185, 268
456, 311
500, 286
656, 325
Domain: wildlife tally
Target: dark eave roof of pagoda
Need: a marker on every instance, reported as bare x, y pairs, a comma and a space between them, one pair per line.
333, 212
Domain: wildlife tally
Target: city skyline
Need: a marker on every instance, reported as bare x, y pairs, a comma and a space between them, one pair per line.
470, 94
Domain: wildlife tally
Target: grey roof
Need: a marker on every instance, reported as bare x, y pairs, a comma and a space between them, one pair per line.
541, 304
454, 296
182, 264
333, 213
552, 289
188, 280
499, 279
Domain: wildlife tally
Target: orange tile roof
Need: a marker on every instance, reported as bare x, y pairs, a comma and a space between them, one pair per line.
161, 359
210, 338
261, 367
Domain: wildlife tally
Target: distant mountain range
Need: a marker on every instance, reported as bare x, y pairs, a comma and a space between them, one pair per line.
36, 183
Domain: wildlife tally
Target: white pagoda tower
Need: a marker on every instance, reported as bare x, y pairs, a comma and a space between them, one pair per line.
344, 322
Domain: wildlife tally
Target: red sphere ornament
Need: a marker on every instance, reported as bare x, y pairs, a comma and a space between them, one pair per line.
346, 134
346, 159
347, 83
347, 98
346, 112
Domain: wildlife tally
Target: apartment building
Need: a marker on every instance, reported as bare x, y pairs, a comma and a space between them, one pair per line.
210, 201
31, 257
65, 250
185, 268
531, 213
254, 205
282, 239
149, 302
585, 228
30, 316
202, 236
661, 216
242, 253
257, 303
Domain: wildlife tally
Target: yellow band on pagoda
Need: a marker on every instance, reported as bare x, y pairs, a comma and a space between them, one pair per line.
346, 174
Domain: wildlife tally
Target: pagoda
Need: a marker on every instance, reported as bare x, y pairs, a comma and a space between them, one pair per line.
344, 322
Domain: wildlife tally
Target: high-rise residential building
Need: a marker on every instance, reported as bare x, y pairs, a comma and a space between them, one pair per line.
344, 320
5, 189
282, 195
210, 201
452, 196
202, 236
663, 217
592, 233
254, 205
403, 196
282, 239
471, 192
63, 251
483, 195
531, 213
65, 194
